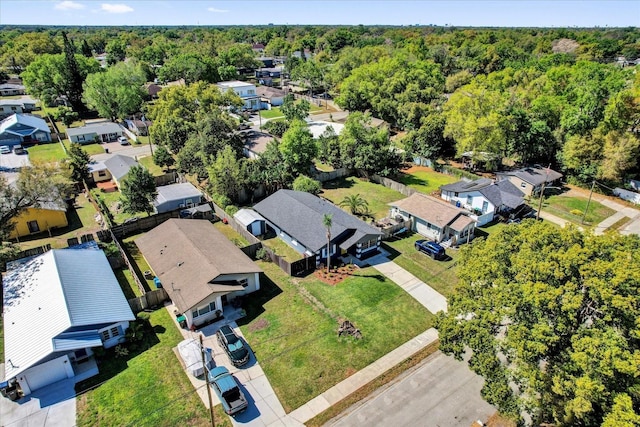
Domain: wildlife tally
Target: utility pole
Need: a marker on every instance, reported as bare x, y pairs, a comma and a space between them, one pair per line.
150, 140
206, 379
584, 216
540, 201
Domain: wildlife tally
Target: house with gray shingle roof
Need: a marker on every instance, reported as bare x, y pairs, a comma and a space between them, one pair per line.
530, 179
296, 217
103, 132
434, 218
118, 167
483, 197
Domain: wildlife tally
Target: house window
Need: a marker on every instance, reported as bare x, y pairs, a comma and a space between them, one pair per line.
469, 200
110, 333
102, 173
455, 194
33, 226
251, 92
105, 335
201, 311
523, 185
115, 331
485, 206
367, 244
14, 109
243, 282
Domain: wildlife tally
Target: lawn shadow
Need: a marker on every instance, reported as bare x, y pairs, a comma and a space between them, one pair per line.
254, 306
378, 277
337, 183
132, 250
124, 284
408, 180
393, 254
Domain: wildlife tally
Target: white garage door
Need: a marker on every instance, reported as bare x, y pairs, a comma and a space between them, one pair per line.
46, 373
422, 229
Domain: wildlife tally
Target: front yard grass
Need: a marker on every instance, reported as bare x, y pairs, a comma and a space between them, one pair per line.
291, 325
376, 195
47, 153
91, 149
148, 164
146, 387
425, 180
562, 206
272, 113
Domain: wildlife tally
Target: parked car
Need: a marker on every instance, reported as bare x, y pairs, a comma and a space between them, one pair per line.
5, 149
225, 386
233, 346
18, 149
123, 140
430, 248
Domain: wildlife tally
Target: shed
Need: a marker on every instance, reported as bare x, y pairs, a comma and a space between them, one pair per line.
252, 221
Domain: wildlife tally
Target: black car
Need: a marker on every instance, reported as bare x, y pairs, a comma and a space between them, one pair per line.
233, 345
430, 248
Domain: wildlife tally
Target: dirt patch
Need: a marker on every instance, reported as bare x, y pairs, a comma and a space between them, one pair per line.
259, 325
416, 168
335, 275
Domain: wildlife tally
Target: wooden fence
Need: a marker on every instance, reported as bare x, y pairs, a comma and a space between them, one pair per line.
129, 263
168, 178
143, 224
148, 300
335, 174
394, 185
395, 230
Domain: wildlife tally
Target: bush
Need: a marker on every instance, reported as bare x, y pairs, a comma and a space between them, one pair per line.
276, 128
221, 200
263, 255
306, 184
231, 210
576, 212
109, 249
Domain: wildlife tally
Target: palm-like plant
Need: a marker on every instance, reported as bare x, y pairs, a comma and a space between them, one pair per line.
355, 203
327, 221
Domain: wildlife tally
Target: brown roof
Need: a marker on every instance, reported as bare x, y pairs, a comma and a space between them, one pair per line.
429, 208
270, 92
188, 255
460, 223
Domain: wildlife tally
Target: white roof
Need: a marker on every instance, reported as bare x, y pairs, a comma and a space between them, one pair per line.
25, 119
51, 293
235, 83
191, 354
247, 216
317, 128
96, 166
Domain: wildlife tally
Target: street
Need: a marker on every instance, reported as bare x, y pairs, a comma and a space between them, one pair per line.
440, 392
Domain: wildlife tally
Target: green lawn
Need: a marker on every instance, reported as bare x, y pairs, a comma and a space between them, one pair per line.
271, 114
282, 249
141, 263
112, 200
50, 152
146, 387
376, 195
562, 206
426, 181
91, 149
296, 340
231, 234
323, 166
148, 163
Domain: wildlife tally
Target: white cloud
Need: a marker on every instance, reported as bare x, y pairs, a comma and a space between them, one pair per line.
115, 8
214, 10
68, 5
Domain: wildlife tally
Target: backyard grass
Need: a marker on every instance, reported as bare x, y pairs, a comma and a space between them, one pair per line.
291, 325
113, 203
376, 195
81, 221
146, 387
140, 263
425, 180
148, 163
440, 275
323, 167
282, 249
562, 206
231, 234
47, 153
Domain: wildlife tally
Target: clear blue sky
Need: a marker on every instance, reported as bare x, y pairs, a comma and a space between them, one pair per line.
504, 13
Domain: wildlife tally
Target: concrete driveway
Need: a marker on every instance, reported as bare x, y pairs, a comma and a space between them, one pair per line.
12, 162
440, 392
134, 151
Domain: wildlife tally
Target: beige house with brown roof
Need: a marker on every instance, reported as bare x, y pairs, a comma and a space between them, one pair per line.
435, 219
200, 269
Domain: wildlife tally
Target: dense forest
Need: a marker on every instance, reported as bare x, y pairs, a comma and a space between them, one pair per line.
563, 97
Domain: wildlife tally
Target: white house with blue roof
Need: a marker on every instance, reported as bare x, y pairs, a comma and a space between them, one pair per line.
57, 307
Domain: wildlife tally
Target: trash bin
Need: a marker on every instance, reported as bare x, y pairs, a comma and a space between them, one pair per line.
106, 150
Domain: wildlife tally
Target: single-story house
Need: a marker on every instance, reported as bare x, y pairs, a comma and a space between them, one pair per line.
273, 72
271, 96
434, 219
114, 168
267, 61
176, 196
23, 129
200, 269
33, 220
102, 132
252, 221
317, 128
153, 90
296, 217
246, 91
12, 106
530, 179
266, 81
255, 143
257, 47
57, 307
139, 126
10, 89
483, 197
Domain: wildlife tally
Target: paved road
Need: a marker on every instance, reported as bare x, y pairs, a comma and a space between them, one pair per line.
440, 392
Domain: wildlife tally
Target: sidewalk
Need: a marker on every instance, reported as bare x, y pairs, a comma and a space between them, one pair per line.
362, 377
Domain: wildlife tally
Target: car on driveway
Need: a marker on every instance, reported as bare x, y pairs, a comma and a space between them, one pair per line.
123, 140
233, 346
5, 149
430, 248
18, 149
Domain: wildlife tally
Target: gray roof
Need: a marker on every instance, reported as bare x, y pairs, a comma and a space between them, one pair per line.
51, 293
534, 175
467, 186
167, 193
119, 165
300, 215
11, 86
25, 119
270, 92
503, 193
98, 128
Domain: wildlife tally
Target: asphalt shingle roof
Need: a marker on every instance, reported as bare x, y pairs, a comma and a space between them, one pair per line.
534, 175
119, 165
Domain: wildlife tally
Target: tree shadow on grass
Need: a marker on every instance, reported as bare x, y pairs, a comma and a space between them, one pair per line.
337, 183
409, 180
254, 306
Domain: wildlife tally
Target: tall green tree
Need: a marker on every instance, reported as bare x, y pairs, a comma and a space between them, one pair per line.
550, 318
116, 93
73, 75
226, 174
79, 163
138, 191
327, 221
163, 158
356, 204
295, 110
298, 147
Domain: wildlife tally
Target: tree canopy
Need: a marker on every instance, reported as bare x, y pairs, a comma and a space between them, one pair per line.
551, 319
138, 191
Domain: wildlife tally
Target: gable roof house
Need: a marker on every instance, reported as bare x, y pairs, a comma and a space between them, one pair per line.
530, 179
139, 126
57, 307
246, 92
23, 129
119, 166
255, 143
296, 217
12, 106
176, 196
11, 89
198, 266
483, 197
435, 219
103, 132
49, 215
270, 96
